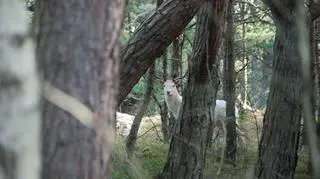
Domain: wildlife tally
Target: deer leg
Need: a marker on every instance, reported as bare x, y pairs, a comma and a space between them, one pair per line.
224, 146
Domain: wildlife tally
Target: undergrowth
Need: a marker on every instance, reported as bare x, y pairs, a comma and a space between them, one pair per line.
151, 155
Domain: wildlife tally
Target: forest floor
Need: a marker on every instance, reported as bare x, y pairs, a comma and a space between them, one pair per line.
151, 153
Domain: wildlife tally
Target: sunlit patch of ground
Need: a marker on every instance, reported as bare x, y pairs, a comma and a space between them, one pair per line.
151, 153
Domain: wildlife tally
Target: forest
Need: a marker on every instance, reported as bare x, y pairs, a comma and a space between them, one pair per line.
160, 89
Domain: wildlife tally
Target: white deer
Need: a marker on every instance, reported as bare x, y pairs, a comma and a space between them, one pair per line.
174, 99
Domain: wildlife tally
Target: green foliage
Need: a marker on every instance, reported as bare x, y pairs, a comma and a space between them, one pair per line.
149, 160
151, 155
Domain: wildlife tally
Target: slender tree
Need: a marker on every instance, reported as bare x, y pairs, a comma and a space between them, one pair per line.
20, 126
133, 134
78, 51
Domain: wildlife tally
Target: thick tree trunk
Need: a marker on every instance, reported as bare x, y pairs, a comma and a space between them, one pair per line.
132, 137
78, 47
231, 144
20, 155
281, 123
151, 38
193, 130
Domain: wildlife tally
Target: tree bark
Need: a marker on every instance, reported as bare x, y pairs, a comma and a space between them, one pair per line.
165, 120
20, 155
303, 25
151, 38
175, 58
132, 137
78, 51
231, 144
314, 9
281, 123
193, 130
244, 78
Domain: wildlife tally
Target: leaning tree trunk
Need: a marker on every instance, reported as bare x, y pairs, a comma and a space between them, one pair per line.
78, 50
20, 155
229, 72
193, 130
151, 39
281, 123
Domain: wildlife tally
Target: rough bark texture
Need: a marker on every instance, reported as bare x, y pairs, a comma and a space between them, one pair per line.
20, 155
165, 125
317, 67
314, 9
175, 58
151, 38
229, 86
132, 137
193, 130
165, 121
281, 123
78, 50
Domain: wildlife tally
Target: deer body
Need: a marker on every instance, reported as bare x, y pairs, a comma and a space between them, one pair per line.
174, 99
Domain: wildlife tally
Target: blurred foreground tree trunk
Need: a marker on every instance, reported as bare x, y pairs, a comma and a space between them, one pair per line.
20, 155
78, 51
152, 38
193, 131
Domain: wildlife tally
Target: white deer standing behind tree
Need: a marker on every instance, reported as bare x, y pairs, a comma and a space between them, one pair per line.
172, 97
174, 100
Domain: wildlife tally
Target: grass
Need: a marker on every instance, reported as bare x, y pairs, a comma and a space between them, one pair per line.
151, 154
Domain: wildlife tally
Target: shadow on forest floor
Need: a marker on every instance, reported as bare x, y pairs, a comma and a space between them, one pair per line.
151, 154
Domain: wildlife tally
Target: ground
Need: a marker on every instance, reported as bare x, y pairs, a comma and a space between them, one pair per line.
151, 153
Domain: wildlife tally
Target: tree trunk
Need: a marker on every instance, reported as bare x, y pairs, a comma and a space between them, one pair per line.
20, 124
231, 144
303, 25
175, 58
244, 59
193, 130
165, 127
151, 38
132, 137
313, 93
281, 123
165, 120
78, 50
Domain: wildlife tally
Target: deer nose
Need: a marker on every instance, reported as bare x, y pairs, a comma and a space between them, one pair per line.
168, 92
